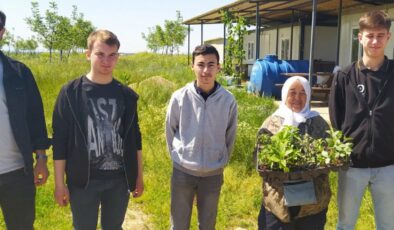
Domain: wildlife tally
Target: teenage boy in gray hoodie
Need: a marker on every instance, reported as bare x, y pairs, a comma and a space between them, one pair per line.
201, 124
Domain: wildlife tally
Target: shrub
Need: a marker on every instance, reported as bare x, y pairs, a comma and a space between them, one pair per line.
155, 90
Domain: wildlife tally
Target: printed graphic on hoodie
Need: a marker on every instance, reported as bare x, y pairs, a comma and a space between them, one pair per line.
104, 128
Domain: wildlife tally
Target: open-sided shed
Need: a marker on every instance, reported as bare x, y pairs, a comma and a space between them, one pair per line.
263, 13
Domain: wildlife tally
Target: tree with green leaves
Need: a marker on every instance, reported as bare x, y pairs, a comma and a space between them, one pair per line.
236, 29
32, 45
80, 30
19, 45
154, 38
62, 39
57, 32
46, 26
169, 38
175, 33
25, 45
8, 40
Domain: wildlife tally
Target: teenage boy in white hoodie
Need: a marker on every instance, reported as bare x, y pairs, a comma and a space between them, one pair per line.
201, 124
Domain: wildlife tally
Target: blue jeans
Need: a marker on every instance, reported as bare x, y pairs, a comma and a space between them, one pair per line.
351, 187
183, 189
112, 194
17, 199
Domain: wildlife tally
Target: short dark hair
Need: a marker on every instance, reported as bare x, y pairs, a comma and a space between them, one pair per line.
375, 19
204, 50
2, 20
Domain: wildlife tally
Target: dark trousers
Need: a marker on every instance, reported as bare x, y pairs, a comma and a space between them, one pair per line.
17, 199
111, 194
184, 188
268, 221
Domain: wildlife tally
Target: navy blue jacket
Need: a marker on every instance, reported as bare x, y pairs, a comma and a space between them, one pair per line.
70, 136
25, 109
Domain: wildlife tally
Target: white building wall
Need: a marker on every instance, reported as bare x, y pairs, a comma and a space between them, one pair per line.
325, 43
218, 44
296, 43
219, 47
250, 38
285, 34
268, 42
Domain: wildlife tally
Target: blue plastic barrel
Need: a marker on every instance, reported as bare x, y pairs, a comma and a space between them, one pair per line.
268, 71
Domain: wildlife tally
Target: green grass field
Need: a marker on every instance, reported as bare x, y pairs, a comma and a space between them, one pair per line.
155, 77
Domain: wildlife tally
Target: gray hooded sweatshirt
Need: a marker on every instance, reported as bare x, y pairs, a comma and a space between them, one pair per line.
200, 134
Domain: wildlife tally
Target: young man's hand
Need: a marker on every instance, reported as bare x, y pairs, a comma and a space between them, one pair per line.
41, 172
139, 189
62, 195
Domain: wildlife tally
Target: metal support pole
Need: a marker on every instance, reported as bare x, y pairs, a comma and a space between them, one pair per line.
291, 34
302, 40
202, 33
257, 30
188, 44
277, 42
312, 47
339, 30
224, 44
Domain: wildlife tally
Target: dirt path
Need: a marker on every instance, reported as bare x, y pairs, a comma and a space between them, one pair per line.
136, 219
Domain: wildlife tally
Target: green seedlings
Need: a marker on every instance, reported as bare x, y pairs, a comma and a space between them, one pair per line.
289, 151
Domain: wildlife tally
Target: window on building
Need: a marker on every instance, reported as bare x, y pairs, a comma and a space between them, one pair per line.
356, 48
285, 49
250, 50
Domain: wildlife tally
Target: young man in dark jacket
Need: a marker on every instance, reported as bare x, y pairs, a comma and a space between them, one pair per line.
23, 131
97, 141
362, 106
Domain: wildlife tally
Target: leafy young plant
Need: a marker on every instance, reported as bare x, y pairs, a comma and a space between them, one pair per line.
338, 147
236, 29
288, 150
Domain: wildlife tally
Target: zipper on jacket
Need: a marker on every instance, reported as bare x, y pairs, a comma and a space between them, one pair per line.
370, 132
84, 138
371, 110
377, 99
203, 136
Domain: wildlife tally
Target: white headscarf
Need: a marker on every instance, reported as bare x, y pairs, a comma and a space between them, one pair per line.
290, 117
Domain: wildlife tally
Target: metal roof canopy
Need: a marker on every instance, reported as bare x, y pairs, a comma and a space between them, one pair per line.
280, 11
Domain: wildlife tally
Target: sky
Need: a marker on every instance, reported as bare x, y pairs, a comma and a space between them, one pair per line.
128, 19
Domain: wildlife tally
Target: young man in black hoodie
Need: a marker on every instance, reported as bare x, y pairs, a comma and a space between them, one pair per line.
23, 131
97, 141
362, 106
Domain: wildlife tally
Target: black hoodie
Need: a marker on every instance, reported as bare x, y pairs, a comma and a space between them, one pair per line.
371, 125
70, 138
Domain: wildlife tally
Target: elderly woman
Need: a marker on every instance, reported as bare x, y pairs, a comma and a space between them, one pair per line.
275, 214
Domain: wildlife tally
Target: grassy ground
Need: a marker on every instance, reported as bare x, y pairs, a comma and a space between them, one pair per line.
241, 193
